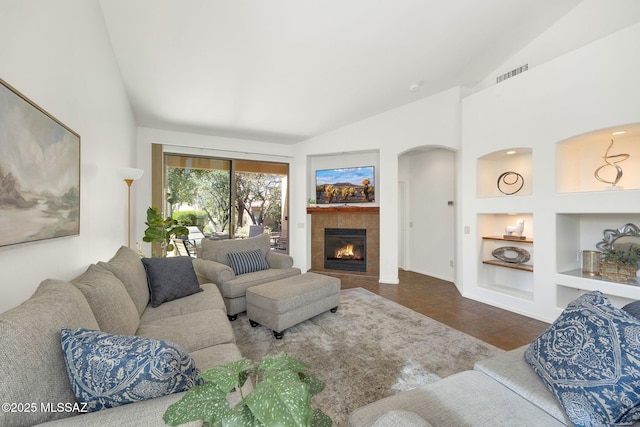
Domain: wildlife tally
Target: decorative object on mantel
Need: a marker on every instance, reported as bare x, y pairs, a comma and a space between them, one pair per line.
510, 183
610, 163
511, 254
39, 172
621, 249
515, 231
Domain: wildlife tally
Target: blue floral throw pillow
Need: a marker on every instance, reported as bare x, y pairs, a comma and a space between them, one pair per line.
590, 359
108, 370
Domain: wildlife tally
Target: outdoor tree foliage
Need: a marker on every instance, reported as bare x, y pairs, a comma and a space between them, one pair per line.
257, 195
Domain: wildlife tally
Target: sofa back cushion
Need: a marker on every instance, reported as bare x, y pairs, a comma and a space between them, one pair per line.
32, 368
218, 250
127, 266
112, 306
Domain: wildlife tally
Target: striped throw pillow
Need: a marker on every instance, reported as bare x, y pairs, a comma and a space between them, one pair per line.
247, 262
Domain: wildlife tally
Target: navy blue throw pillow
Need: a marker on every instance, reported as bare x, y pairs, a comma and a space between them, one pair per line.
170, 278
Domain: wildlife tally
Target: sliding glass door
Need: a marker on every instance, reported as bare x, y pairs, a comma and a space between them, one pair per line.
228, 198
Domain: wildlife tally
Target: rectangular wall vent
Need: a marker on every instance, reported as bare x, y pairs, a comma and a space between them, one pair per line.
512, 73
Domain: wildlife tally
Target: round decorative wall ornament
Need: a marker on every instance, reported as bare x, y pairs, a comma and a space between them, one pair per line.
510, 182
511, 254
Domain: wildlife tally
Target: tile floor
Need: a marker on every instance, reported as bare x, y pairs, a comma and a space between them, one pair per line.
441, 301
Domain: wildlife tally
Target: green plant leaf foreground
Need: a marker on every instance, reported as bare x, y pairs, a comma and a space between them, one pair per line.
229, 375
320, 419
281, 362
281, 396
204, 402
315, 385
281, 399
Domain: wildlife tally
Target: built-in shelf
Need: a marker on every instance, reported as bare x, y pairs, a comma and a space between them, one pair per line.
508, 239
498, 263
576, 232
507, 278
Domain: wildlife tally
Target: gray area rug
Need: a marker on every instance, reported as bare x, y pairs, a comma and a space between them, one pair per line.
371, 348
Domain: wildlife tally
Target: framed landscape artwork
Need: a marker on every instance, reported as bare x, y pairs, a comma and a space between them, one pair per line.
39, 172
345, 185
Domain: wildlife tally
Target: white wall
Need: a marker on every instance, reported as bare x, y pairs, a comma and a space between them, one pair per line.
431, 121
594, 87
586, 23
431, 232
58, 54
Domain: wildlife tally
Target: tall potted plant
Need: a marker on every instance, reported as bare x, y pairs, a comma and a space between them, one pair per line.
161, 230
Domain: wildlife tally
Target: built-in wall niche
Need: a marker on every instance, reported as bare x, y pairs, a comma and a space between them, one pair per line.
504, 277
578, 159
576, 232
505, 173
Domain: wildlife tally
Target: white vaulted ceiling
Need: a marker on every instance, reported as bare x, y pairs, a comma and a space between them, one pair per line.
286, 70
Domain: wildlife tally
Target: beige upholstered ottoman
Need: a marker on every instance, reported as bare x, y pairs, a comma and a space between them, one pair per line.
280, 304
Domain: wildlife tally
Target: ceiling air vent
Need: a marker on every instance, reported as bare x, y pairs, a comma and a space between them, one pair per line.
512, 73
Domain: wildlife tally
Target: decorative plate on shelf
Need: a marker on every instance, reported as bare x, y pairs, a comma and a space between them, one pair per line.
511, 254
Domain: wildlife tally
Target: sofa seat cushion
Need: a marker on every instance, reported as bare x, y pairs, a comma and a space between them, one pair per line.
208, 299
219, 250
32, 368
209, 357
170, 279
237, 287
144, 413
511, 370
192, 331
589, 359
401, 419
468, 398
107, 370
111, 304
127, 266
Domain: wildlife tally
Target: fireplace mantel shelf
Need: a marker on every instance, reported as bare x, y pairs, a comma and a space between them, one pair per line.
345, 209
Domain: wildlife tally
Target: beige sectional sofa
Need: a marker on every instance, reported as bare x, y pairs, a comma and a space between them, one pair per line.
583, 371
212, 265
112, 297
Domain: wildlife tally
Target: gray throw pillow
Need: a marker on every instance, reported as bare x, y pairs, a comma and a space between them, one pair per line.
170, 278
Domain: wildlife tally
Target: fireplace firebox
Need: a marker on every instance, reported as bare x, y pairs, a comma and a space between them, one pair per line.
345, 249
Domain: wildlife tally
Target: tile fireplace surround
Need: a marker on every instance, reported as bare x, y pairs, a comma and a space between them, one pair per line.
366, 217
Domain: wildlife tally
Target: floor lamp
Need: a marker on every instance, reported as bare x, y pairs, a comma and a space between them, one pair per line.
129, 175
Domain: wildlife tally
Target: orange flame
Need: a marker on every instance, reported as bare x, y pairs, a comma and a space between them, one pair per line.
347, 251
